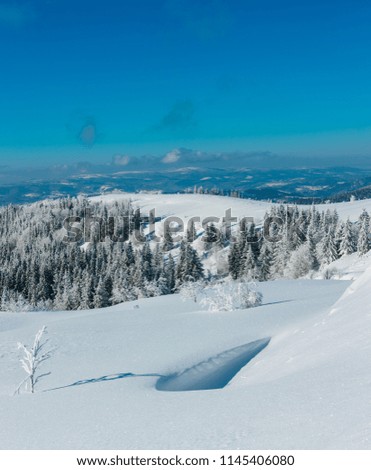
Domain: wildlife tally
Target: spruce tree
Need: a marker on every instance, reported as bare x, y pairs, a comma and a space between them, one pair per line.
265, 262
348, 242
234, 261
101, 296
210, 237
169, 273
189, 267
327, 250
248, 265
281, 255
363, 245
191, 232
167, 243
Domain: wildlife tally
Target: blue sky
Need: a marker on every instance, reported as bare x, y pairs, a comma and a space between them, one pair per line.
86, 80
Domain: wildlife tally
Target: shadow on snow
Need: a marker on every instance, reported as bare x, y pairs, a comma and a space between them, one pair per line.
104, 378
213, 373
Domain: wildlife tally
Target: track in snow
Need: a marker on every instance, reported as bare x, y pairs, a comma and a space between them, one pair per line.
214, 373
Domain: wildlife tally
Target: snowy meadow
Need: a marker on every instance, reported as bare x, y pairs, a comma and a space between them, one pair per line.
248, 334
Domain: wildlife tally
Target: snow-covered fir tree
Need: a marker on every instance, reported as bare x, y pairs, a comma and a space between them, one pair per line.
363, 245
189, 267
348, 241
327, 249
46, 263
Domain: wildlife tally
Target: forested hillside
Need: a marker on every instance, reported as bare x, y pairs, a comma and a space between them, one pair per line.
80, 254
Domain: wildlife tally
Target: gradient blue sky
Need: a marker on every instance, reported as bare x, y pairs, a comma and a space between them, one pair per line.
85, 80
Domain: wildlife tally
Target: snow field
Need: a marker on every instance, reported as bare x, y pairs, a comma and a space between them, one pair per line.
108, 361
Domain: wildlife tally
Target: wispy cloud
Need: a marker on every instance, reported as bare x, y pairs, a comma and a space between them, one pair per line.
12, 14
88, 133
120, 160
172, 157
179, 120
83, 127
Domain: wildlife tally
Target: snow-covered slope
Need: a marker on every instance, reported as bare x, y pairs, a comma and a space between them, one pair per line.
308, 388
201, 205
185, 206
348, 267
191, 205
151, 374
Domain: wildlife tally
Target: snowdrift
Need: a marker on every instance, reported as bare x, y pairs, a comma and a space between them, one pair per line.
214, 373
308, 388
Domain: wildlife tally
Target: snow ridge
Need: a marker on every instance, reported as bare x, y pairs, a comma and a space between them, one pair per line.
214, 373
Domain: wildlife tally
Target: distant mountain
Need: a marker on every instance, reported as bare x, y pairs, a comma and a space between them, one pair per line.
250, 175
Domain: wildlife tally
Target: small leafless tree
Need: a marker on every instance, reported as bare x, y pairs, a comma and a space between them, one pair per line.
32, 359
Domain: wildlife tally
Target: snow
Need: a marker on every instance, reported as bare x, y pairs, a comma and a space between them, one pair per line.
349, 267
162, 373
214, 373
203, 205
308, 388
186, 206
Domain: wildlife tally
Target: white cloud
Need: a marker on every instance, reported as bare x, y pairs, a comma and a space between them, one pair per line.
121, 160
172, 156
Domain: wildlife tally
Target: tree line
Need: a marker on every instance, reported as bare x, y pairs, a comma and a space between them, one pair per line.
39, 270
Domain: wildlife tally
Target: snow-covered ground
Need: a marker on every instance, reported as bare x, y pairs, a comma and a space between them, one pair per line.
201, 205
186, 206
308, 388
348, 267
160, 373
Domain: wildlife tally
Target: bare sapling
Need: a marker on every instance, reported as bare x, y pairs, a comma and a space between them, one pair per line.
33, 358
